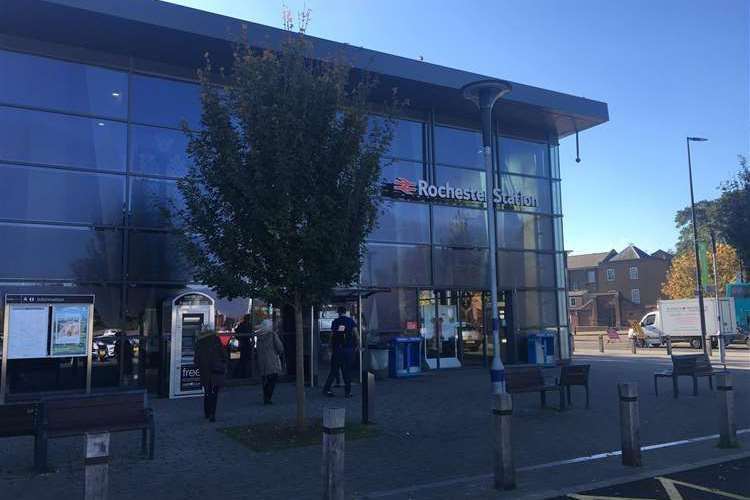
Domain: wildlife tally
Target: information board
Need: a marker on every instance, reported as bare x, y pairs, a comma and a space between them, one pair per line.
30, 327
70, 325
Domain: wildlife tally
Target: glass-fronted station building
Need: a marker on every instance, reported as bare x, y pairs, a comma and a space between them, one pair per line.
92, 97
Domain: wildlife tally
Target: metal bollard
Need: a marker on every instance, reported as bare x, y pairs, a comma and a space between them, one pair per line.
634, 345
669, 346
505, 471
332, 471
96, 465
727, 424
368, 397
601, 343
630, 427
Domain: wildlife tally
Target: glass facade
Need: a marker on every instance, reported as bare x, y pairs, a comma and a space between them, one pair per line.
88, 166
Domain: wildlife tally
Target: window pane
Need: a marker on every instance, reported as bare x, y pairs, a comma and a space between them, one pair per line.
389, 312
463, 179
559, 244
538, 189
403, 169
158, 101
48, 83
554, 152
43, 194
521, 157
524, 231
49, 138
394, 265
458, 147
556, 198
403, 222
525, 269
535, 308
149, 198
156, 257
158, 151
50, 252
460, 267
459, 226
560, 269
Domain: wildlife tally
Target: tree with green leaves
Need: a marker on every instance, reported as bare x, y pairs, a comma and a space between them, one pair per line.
733, 208
706, 213
284, 183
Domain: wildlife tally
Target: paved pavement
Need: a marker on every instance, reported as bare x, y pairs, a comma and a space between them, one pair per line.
433, 441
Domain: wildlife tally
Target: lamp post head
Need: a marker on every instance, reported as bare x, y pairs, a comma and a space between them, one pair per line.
484, 93
696, 139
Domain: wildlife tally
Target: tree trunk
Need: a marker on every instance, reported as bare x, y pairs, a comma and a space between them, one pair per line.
300, 360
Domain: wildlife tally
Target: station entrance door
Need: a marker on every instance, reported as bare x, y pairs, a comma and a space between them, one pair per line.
185, 316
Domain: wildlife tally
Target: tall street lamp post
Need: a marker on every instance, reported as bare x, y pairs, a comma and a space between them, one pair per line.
698, 286
484, 94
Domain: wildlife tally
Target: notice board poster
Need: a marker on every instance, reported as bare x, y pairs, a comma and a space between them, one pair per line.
30, 327
70, 330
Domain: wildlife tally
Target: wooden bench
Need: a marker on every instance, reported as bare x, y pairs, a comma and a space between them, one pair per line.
113, 412
22, 419
571, 375
520, 379
688, 365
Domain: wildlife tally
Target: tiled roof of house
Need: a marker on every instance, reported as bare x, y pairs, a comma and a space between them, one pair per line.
631, 252
588, 260
661, 254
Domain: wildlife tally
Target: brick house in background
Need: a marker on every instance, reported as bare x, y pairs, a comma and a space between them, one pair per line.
611, 288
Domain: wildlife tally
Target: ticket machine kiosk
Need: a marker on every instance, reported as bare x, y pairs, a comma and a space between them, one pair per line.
184, 317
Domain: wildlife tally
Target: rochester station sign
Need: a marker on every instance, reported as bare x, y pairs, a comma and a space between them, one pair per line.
424, 190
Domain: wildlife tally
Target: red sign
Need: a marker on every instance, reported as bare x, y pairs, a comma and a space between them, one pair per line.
404, 185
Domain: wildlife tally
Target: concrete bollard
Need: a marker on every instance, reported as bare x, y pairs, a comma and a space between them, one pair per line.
332, 471
504, 469
630, 426
727, 424
601, 343
96, 465
368, 397
669, 346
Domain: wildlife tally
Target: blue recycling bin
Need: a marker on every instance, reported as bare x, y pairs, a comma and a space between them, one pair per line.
404, 357
541, 348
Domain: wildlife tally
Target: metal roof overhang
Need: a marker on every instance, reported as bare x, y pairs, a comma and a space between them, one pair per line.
180, 36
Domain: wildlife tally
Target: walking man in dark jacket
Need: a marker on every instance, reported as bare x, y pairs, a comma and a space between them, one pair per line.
343, 346
211, 360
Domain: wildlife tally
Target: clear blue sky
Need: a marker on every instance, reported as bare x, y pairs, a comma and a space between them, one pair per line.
667, 69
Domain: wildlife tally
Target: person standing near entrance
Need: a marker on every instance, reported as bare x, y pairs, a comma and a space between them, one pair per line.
343, 345
270, 350
211, 360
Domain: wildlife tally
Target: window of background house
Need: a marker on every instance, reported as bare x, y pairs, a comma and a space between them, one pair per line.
572, 301
633, 271
610, 274
591, 277
635, 296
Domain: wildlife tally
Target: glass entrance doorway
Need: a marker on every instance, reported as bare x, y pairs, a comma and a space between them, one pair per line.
439, 327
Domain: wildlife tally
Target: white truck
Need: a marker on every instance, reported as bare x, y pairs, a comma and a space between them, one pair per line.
679, 320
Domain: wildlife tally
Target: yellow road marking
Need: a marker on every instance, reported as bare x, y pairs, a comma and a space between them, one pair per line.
670, 488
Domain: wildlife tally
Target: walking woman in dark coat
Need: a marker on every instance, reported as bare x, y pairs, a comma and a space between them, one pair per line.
211, 360
270, 350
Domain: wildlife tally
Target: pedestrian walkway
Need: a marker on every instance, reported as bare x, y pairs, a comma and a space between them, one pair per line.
432, 429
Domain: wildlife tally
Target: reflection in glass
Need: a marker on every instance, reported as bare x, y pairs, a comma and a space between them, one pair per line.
460, 267
535, 309
525, 270
461, 178
524, 231
458, 147
44, 194
63, 86
158, 151
459, 226
539, 189
399, 168
50, 252
150, 198
407, 139
158, 101
155, 257
389, 312
403, 222
53, 139
523, 157
396, 265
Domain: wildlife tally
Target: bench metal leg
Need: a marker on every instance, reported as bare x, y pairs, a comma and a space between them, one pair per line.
656, 386
675, 386
543, 396
561, 392
569, 401
695, 385
587, 395
144, 441
711, 382
40, 452
152, 438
